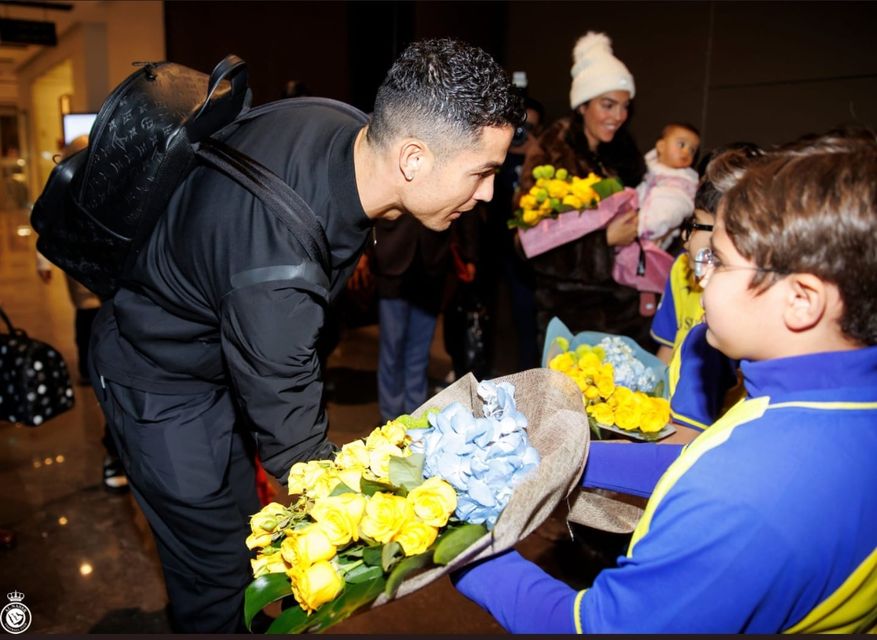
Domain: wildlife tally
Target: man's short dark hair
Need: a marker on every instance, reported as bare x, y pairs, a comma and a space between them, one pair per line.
445, 92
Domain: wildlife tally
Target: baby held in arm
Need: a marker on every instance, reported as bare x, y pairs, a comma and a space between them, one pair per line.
666, 194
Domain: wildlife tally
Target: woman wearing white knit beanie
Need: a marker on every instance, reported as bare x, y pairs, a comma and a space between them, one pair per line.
574, 281
596, 73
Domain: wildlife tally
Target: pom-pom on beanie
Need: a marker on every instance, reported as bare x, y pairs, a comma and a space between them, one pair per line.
595, 70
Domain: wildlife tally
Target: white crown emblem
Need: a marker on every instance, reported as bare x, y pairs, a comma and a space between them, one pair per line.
15, 596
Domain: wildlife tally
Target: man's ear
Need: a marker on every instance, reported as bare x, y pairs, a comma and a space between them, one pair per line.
414, 157
808, 301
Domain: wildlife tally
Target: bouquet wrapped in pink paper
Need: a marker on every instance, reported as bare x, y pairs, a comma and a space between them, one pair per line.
550, 232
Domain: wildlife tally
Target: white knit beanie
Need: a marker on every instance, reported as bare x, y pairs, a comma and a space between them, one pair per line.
595, 70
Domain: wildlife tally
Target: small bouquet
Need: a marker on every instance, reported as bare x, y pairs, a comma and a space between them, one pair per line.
415, 495
622, 386
557, 192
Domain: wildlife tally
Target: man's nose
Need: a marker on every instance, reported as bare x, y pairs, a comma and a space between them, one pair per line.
485, 190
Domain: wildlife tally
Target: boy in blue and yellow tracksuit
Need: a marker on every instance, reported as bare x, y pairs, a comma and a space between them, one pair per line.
767, 522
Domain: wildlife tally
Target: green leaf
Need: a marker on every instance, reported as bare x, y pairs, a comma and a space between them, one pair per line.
596, 432
371, 487
407, 472
608, 187
405, 568
295, 620
372, 555
363, 573
390, 555
456, 541
353, 551
340, 489
263, 591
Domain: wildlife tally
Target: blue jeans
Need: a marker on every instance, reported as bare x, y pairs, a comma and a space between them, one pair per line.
405, 334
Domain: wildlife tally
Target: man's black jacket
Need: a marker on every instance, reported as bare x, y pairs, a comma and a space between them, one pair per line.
217, 297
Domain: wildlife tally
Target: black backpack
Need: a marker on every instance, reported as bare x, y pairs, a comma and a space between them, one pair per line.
100, 205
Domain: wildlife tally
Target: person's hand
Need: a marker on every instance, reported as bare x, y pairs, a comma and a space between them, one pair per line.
621, 230
361, 277
44, 274
468, 273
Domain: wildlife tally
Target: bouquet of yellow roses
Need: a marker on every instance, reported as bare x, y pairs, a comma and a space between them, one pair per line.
622, 386
418, 497
557, 192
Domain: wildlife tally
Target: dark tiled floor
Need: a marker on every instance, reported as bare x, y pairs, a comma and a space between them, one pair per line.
85, 559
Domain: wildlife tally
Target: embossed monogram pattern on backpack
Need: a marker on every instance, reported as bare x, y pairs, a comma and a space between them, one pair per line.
136, 135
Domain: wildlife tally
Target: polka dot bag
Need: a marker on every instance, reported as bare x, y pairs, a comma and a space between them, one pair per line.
34, 383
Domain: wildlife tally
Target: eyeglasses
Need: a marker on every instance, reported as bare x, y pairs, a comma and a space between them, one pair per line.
688, 225
706, 261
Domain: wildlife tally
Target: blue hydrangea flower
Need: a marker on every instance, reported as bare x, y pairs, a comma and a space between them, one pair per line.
629, 372
482, 458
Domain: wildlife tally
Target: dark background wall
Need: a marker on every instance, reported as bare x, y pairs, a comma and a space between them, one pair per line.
761, 71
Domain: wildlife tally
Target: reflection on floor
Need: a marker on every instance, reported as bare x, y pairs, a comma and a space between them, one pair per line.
85, 559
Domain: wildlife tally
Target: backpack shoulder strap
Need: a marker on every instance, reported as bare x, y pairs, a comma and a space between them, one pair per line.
275, 194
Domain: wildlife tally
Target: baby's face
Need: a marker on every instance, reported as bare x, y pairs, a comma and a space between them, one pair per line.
677, 148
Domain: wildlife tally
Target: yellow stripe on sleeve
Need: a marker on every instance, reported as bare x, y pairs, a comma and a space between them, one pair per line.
577, 611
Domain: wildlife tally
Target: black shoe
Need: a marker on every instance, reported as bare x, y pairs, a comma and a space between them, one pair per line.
115, 480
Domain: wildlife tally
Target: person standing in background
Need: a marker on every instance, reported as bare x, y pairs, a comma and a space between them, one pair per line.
410, 263
574, 281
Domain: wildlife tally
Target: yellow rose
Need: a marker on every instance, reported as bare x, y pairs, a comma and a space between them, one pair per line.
306, 546
528, 202
352, 476
258, 540
352, 455
266, 563
377, 440
394, 432
573, 201
340, 516
655, 415
267, 519
562, 362
315, 585
621, 396
591, 179
605, 384
531, 216
557, 188
379, 459
627, 415
591, 392
602, 413
584, 193
589, 360
433, 501
385, 514
415, 536
317, 478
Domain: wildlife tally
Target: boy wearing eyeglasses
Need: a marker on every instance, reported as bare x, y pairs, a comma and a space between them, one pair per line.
680, 307
767, 522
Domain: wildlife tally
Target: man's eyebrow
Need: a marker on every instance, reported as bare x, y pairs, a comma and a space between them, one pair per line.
487, 166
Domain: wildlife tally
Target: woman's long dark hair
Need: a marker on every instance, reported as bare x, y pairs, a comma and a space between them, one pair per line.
620, 157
